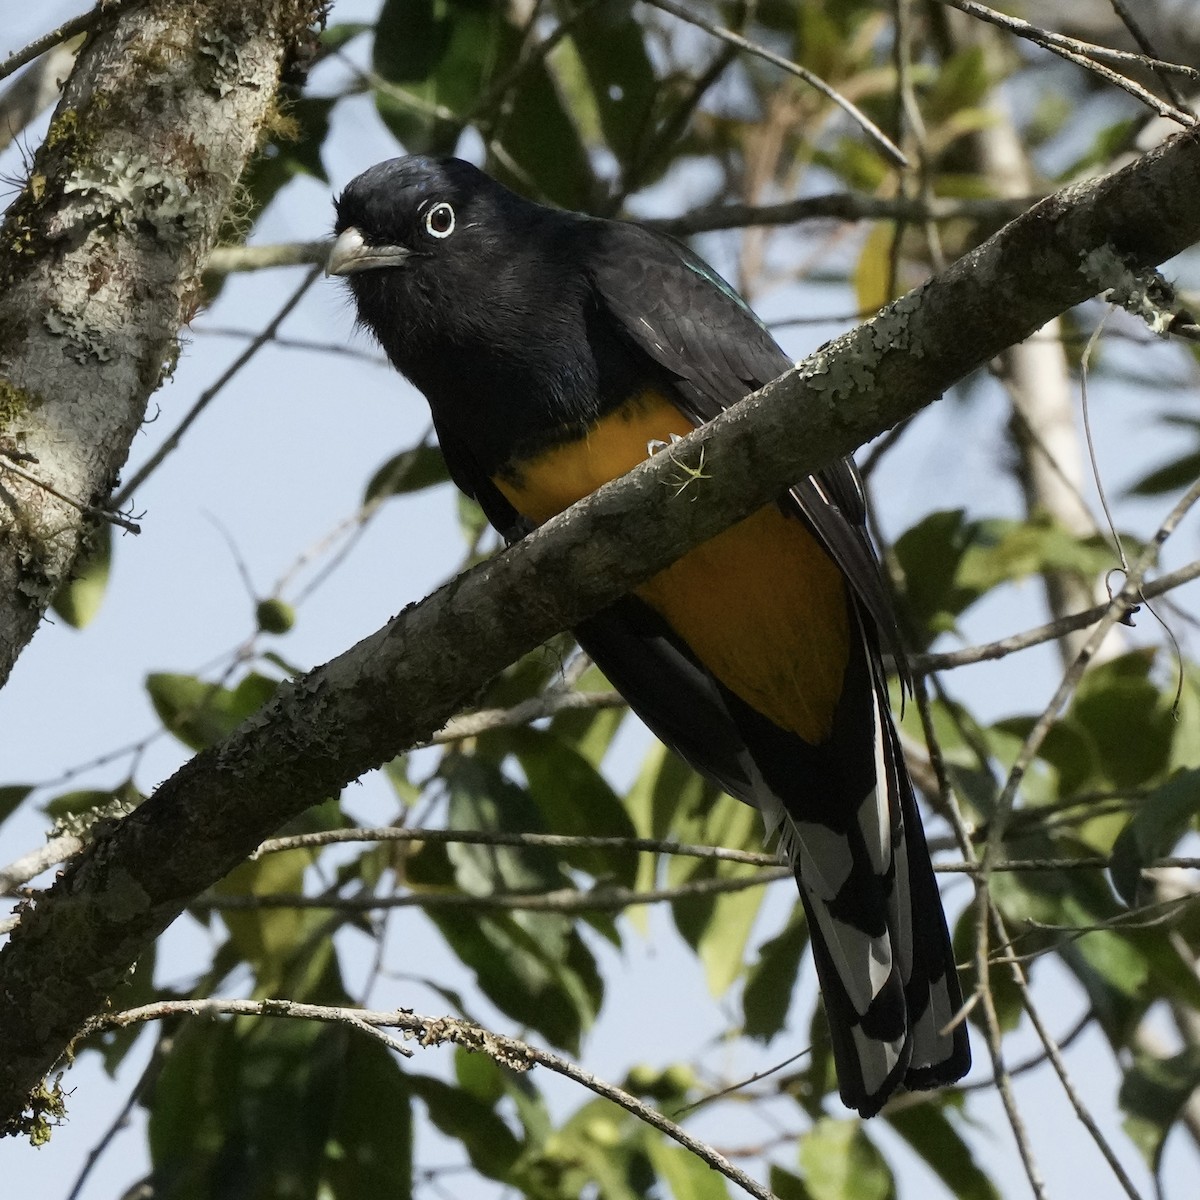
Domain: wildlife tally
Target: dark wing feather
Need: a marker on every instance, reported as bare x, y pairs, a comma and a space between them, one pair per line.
470, 479
720, 352
845, 809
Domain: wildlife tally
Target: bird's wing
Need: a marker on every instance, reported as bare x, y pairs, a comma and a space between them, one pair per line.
689, 321
844, 808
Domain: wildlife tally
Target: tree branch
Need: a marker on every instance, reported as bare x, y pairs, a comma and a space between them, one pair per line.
101, 255
399, 685
438, 1031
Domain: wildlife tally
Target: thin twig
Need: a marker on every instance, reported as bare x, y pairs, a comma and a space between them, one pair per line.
536, 707
926, 664
435, 1031
1155, 59
1034, 1060
564, 900
868, 126
67, 30
1114, 610
496, 837
29, 866
1086, 55
843, 206
290, 343
209, 394
1060, 1068
88, 510
225, 260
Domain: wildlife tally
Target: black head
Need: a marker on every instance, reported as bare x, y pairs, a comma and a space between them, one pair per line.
406, 207
426, 242
474, 292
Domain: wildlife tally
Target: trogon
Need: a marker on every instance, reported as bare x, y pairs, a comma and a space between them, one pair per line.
556, 351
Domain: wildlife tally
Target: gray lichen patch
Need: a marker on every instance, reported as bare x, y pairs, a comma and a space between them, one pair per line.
226, 58
1141, 291
75, 328
129, 188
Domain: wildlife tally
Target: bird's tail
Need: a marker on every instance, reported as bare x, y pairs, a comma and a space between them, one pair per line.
849, 826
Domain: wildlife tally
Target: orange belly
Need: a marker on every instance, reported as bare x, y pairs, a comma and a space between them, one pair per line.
761, 605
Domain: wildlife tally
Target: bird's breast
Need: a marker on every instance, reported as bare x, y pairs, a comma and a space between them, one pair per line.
544, 485
761, 605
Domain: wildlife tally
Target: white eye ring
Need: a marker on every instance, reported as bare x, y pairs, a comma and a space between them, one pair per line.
439, 220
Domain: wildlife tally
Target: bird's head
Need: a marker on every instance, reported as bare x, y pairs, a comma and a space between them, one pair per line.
405, 208
429, 246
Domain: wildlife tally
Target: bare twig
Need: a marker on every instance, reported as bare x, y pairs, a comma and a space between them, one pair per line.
551, 841
290, 343
843, 206
1114, 610
564, 900
29, 866
67, 30
88, 510
436, 1031
225, 260
925, 664
209, 394
1154, 58
1087, 55
472, 724
1054, 1054
864, 122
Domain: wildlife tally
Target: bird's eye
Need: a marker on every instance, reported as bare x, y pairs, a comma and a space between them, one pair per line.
439, 220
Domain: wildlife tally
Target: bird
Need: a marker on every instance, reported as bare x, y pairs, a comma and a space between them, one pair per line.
558, 350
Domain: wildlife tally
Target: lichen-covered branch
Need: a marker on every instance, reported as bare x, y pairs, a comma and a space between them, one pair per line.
76, 942
101, 256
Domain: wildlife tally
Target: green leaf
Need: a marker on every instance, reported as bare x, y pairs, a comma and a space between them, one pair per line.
770, 982
531, 966
1153, 1094
928, 1130
950, 562
664, 787
79, 599
841, 1163
1128, 719
574, 798
411, 470
687, 1176
962, 82
1170, 477
612, 50
435, 54
11, 797
287, 1108
718, 926
929, 554
483, 798
200, 714
335, 37
538, 132
1153, 831
75, 803
280, 945
490, 1144
370, 1147
787, 1186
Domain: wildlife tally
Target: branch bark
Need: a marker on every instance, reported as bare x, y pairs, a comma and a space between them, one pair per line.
101, 253
76, 942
